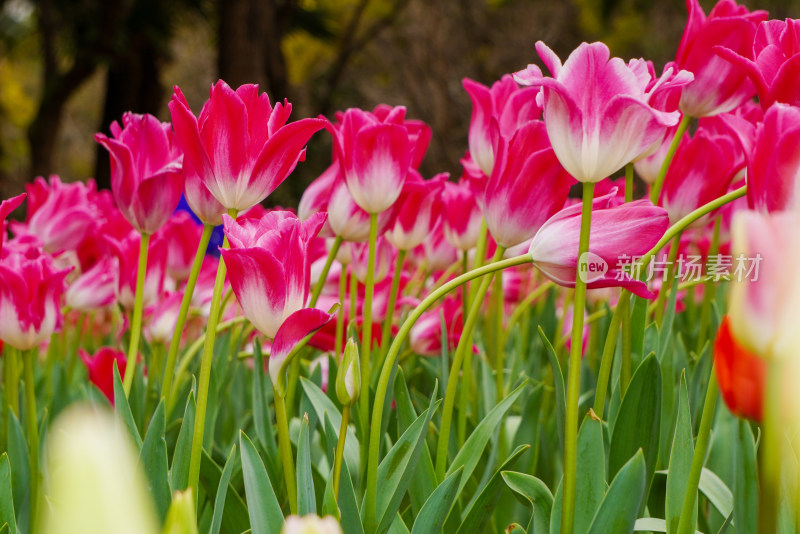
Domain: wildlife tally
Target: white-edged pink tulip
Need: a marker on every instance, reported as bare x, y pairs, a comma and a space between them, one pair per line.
418, 210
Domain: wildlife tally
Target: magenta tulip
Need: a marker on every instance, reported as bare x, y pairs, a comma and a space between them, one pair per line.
508, 105
462, 216
126, 251
182, 235
240, 146
418, 210
96, 288
526, 187
146, 177
6, 207
268, 265
774, 64
598, 110
618, 234
718, 85
347, 219
317, 195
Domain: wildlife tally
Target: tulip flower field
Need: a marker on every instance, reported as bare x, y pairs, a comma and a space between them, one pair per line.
543, 344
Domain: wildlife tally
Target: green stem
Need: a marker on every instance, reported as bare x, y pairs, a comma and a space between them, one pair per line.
286, 452
525, 304
574, 374
337, 460
655, 192
366, 336
770, 452
388, 364
387, 321
666, 282
340, 314
709, 292
480, 247
604, 374
627, 345
205, 373
353, 299
499, 356
11, 372
629, 182
685, 525
136, 321
323, 276
188, 292
464, 345
33, 434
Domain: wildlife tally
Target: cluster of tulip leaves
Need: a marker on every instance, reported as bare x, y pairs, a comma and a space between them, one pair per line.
633, 464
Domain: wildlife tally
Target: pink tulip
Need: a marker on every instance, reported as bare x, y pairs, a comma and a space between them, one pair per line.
385, 257
95, 288
375, 156
418, 210
6, 207
700, 172
348, 220
508, 105
317, 195
763, 306
528, 186
617, 235
239, 146
437, 250
201, 201
146, 177
774, 162
418, 132
600, 112
30, 296
101, 368
268, 265
462, 216
126, 251
718, 85
182, 235
426, 334
293, 329
163, 317
60, 215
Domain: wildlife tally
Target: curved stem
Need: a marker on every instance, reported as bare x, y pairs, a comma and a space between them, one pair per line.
685, 525
188, 293
205, 373
387, 321
33, 434
324, 274
386, 372
366, 335
136, 321
655, 192
337, 460
286, 452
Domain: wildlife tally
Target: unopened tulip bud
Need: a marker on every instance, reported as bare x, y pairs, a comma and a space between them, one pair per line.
181, 518
94, 484
348, 378
311, 524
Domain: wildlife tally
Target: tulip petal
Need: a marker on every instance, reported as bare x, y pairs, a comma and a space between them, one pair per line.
297, 326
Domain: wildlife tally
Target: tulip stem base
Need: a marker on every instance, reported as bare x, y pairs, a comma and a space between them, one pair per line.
286, 452
188, 292
337, 461
366, 337
136, 320
574, 376
33, 433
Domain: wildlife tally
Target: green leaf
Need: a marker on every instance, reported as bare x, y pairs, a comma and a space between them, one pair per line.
179, 475
19, 461
397, 526
537, 493
322, 405
638, 422
471, 452
482, 505
153, 459
397, 468
652, 524
618, 511
306, 498
222, 492
515, 528
329, 506
680, 461
6, 498
262, 418
123, 409
591, 475
437, 507
717, 493
235, 519
558, 382
745, 490
262, 505
351, 518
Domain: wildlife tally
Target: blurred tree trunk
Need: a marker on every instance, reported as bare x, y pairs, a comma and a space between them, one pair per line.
249, 44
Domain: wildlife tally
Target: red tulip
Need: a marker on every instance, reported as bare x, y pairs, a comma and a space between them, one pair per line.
741, 374
101, 368
146, 177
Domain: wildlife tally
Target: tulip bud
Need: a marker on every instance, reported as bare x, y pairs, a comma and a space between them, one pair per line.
311, 524
94, 485
181, 518
348, 378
